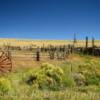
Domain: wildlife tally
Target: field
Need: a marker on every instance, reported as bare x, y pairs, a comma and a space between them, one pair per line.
75, 78
22, 43
71, 91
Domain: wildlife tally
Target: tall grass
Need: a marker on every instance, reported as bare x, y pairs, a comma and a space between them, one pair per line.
88, 66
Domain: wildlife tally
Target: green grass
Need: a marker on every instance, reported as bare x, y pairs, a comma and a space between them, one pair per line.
88, 66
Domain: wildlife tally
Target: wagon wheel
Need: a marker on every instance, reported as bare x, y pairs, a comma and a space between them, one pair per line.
5, 63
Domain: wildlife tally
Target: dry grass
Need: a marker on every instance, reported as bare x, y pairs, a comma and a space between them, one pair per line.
25, 63
34, 43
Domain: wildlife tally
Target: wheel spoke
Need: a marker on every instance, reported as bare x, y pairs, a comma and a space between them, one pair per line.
5, 63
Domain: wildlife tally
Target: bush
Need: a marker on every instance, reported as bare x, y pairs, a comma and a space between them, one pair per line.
52, 72
92, 80
47, 77
91, 73
79, 79
5, 85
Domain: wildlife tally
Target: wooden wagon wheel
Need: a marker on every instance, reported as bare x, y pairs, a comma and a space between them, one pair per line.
5, 63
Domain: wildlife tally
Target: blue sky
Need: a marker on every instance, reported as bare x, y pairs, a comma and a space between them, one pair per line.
49, 19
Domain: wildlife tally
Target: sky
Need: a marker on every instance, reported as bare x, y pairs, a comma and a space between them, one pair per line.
49, 19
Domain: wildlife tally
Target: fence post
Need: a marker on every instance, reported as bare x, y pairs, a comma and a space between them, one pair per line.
74, 43
51, 52
38, 54
93, 40
86, 48
86, 42
75, 40
93, 45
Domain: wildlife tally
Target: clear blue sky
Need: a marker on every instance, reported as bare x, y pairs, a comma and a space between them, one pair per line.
49, 19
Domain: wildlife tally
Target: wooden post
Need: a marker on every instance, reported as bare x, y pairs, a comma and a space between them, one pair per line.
38, 55
93, 45
86, 48
74, 42
93, 42
58, 52
8, 52
86, 42
51, 52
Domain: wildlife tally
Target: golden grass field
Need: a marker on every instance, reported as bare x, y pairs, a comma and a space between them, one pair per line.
34, 43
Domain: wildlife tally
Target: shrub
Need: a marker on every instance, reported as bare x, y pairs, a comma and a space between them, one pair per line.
52, 72
5, 85
92, 79
91, 73
79, 79
47, 77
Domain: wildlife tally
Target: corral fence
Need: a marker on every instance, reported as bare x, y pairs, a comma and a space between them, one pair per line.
52, 52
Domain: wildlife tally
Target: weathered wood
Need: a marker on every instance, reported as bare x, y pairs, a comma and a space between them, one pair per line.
93, 40
75, 40
5, 63
38, 54
86, 42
